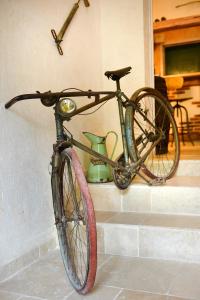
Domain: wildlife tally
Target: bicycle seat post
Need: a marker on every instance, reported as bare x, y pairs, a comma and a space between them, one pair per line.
122, 122
118, 85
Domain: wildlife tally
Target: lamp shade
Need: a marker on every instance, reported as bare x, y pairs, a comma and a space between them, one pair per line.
175, 82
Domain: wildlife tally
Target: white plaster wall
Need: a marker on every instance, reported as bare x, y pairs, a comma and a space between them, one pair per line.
122, 38
29, 61
108, 35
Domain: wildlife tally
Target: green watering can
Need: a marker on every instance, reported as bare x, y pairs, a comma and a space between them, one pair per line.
98, 171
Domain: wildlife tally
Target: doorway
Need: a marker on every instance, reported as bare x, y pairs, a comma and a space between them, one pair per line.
176, 36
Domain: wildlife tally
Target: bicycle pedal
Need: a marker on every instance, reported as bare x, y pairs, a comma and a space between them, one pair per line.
158, 181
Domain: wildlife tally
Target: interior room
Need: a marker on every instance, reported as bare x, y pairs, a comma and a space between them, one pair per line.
176, 58
143, 242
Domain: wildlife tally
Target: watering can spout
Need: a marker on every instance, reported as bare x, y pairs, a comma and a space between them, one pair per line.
94, 139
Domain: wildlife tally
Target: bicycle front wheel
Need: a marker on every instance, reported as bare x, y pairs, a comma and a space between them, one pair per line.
75, 220
148, 121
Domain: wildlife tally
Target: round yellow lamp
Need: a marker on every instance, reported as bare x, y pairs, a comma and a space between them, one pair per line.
173, 83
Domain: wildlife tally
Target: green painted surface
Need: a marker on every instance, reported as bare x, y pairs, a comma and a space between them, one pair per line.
182, 59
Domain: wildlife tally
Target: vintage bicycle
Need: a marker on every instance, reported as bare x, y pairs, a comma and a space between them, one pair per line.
150, 149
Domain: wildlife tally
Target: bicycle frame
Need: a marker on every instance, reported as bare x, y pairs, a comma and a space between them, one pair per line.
62, 136
63, 140
66, 140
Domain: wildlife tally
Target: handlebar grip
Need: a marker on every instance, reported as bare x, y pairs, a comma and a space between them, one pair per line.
21, 97
10, 103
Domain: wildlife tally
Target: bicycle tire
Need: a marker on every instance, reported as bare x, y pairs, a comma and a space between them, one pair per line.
75, 220
162, 162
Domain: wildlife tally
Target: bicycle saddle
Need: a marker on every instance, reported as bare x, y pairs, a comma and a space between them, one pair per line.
116, 75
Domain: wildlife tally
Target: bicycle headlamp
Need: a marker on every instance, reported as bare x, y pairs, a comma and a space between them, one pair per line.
67, 106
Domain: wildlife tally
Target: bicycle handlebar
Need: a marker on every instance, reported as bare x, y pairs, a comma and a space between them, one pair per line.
49, 99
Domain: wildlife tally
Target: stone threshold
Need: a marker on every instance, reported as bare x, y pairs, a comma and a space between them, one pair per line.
158, 236
180, 195
191, 222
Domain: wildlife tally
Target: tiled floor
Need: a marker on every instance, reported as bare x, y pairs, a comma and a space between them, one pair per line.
118, 278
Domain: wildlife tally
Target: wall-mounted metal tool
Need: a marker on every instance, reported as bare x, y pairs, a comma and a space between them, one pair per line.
187, 3
59, 38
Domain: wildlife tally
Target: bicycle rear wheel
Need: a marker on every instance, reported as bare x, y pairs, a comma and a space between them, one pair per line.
150, 120
75, 220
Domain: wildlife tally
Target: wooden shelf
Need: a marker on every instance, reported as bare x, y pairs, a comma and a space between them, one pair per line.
176, 23
173, 33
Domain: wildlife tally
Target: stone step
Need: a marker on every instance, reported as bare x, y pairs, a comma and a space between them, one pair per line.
147, 235
180, 195
188, 168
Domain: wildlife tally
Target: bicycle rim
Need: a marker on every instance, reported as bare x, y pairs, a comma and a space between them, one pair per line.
150, 120
77, 226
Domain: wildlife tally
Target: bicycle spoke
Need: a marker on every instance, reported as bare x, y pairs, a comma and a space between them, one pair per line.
75, 225
149, 124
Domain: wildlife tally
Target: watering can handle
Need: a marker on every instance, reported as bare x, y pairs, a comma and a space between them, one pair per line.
116, 139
